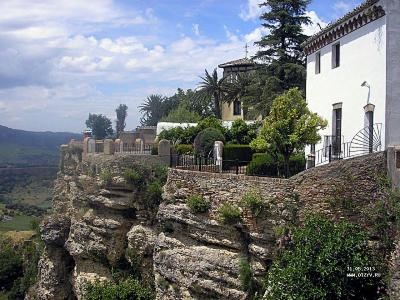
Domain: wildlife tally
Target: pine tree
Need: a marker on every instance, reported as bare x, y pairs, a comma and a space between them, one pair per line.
281, 52
284, 20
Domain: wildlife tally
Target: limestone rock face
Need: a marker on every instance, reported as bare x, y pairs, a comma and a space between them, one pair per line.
98, 227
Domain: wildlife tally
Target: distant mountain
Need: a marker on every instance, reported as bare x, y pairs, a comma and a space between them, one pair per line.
27, 148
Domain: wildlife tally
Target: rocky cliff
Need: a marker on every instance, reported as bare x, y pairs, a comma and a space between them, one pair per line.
102, 223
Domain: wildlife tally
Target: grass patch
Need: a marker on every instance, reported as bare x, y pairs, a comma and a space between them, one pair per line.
197, 204
18, 223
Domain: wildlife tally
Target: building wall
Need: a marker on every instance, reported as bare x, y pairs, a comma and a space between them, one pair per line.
392, 8
363, 58
227, 112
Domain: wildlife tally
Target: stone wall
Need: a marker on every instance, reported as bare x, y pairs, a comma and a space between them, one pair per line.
192, 251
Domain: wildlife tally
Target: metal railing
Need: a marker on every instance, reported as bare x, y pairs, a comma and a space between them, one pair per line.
366, 141
207, 164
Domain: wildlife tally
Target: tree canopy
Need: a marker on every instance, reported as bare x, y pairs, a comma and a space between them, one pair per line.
317, 261
101, 126
290, 126
213, 87
122, 113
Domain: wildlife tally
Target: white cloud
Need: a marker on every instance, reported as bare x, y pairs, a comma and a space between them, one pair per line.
313, 28
196, 29
251, 10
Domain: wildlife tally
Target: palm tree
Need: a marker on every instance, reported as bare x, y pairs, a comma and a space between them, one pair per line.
152, 110
213, 87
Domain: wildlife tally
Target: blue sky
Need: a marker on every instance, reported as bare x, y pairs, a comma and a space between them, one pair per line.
63, 59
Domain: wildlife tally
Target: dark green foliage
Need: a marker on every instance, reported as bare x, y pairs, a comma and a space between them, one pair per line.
264, 164
172, 109
211, 122
383, 218
247, 280
204, 141
153, 109
253, 201
229, 213
187, 135
316, 264
101, 126
213, 87
197, 204
129, 289
106, 176
241, 132
153, 194
154, 150
160, 173
180, 135
184, 149
11, 264
132, 176
243, 153
181, 115
122, 113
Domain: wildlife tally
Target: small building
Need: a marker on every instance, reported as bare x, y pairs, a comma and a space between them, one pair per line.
353, 81
232, 111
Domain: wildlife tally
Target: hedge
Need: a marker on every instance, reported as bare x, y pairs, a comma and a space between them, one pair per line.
263, 164
184, 149
243, 153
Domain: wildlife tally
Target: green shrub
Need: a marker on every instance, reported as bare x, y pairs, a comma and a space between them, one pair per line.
197, 204
204, 141
321, 256
264, 164
179, 135
124, 290
241, 132
211, 122
184, 149
133, 177
106, 176
246, 278
229, 213
154, 150
243, 153
254, 202
153, 194
160, 173
11, 264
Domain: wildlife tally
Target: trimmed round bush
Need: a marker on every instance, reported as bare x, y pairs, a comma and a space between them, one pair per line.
204, 141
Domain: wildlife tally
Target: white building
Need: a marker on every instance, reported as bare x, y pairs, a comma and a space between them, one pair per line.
353, 81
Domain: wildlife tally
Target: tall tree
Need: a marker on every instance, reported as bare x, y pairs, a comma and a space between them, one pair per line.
281, 50
213, 87
122, 113
152, 110
284, 20
289, 127
101, 126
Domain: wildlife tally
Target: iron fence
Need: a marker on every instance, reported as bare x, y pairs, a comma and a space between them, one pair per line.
208, 164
